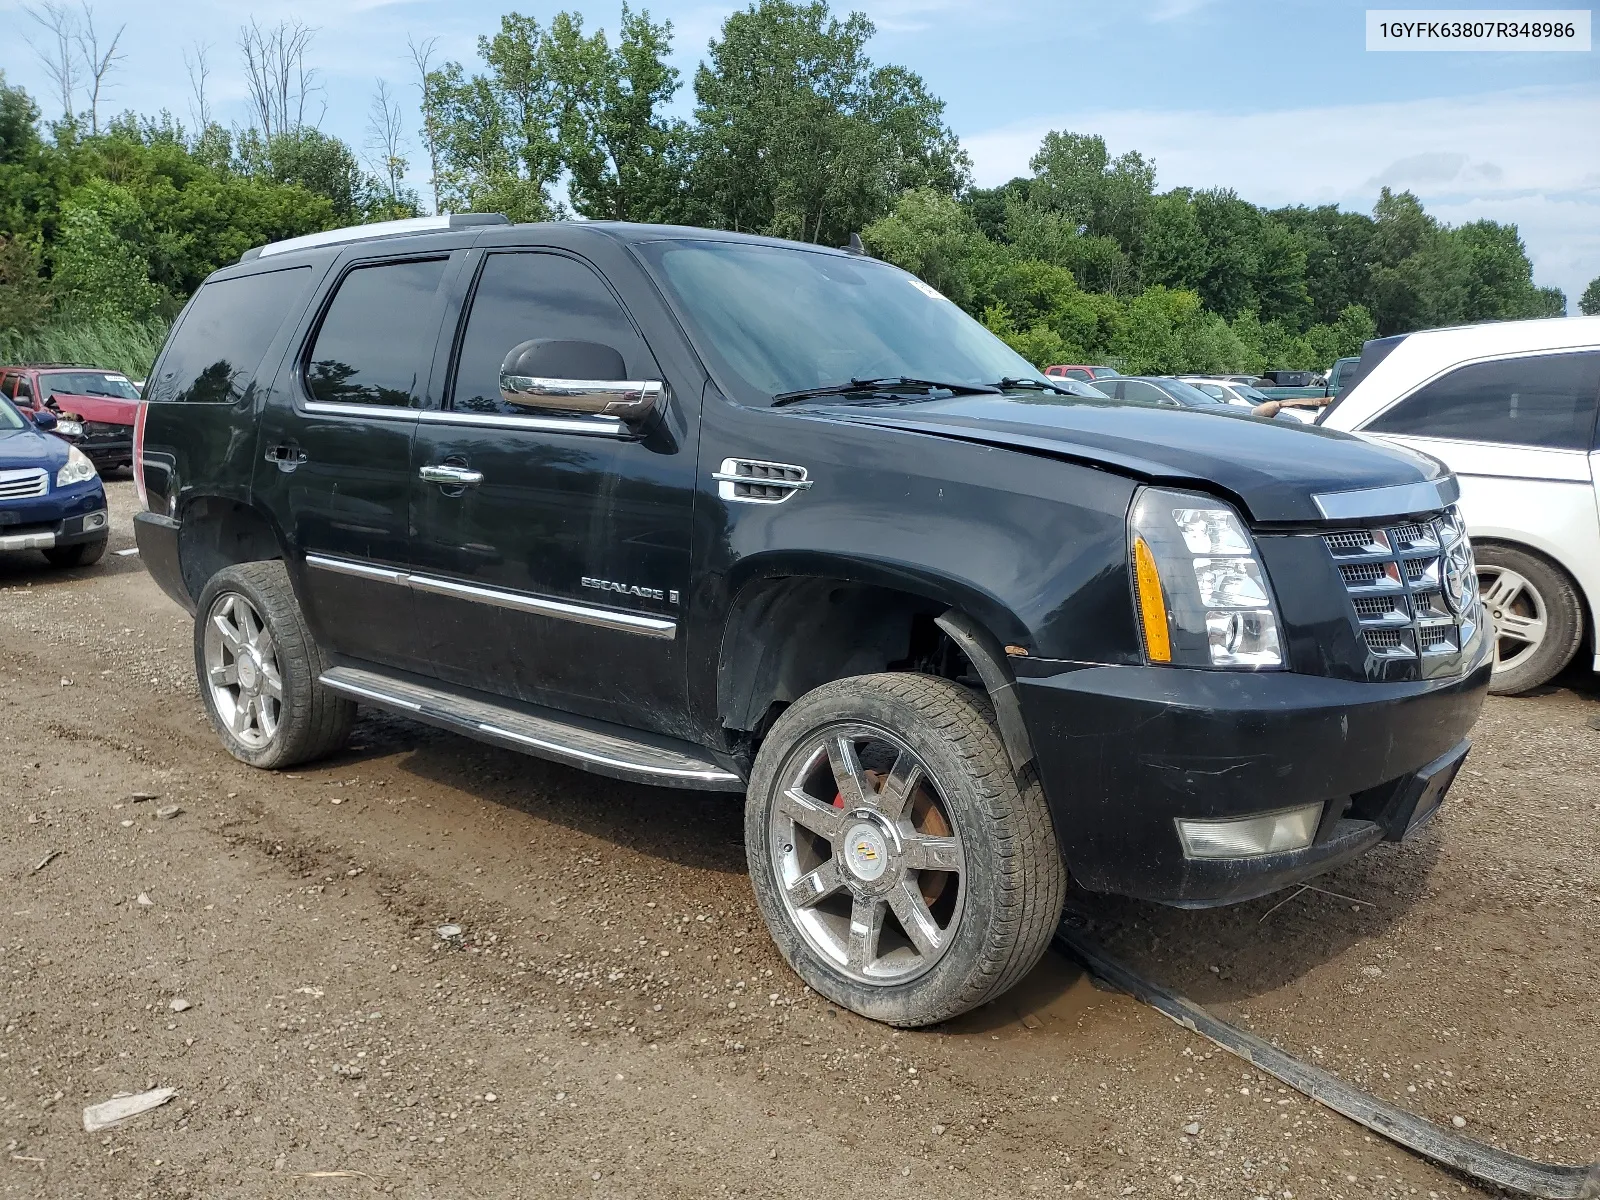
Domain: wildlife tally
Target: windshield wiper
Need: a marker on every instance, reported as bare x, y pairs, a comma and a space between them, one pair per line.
887, 386
1041, 385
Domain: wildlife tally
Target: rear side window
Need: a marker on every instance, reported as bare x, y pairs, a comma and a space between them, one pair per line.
377, 339
524, 296
227, 329
1547, 401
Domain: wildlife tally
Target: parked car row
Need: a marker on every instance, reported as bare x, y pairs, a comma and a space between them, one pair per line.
50, 493
94, 408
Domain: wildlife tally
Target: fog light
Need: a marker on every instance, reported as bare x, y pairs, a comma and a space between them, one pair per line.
94, 520
1268, 833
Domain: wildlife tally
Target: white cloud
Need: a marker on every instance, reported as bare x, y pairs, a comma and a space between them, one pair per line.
1516, 156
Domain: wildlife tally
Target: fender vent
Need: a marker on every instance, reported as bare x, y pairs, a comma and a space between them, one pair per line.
751, 481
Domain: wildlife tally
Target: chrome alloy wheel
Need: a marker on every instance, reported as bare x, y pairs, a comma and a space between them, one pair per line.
1518, 612
870, 867
242, 671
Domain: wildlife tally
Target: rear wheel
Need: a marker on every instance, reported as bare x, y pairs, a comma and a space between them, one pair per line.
83, 554
1537, 618
905, 869
259, 669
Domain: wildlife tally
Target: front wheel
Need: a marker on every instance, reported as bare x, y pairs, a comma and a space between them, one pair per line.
259, 670
905, 869
83, 554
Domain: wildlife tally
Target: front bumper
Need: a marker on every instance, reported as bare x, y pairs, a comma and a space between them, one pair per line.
1123, 752
64, 517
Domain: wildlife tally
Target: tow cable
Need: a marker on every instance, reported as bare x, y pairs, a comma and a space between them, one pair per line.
1549, 1181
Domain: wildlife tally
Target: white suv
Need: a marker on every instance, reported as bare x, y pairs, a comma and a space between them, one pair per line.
1511, 407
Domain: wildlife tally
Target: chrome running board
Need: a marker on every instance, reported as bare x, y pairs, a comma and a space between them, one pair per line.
577, 742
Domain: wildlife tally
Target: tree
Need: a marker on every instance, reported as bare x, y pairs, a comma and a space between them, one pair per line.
318, 162
628, 162
1589, 302
57, 55
496, 143
199, 71
278, 83
24, 302
99, 269
1418, 271
97, 65
385, 139
1074, 174
802, 136
421, 55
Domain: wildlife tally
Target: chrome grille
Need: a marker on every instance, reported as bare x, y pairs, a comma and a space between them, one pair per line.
1396, 579
20, 485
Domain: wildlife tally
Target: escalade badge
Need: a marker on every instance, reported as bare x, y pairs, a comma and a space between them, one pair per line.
626, 589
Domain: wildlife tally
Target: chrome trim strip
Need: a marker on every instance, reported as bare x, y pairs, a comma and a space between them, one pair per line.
322, 408
712, 776
604, 618
353, 689
794, 485
342, 566
1399, 500
594, 426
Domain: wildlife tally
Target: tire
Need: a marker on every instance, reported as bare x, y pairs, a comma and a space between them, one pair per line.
1526, 595
991, 921
269, 649
84, 554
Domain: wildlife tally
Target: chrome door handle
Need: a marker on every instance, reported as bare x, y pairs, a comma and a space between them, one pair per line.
451, 476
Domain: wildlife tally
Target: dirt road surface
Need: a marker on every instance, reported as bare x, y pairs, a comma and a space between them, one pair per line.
612, 1020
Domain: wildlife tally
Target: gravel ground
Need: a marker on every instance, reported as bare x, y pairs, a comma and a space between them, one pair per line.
612, 1020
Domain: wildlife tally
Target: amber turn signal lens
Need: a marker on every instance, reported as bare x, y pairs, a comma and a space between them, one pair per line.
1152, 604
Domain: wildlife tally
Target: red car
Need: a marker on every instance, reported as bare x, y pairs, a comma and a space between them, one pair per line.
1087, 374
95, 407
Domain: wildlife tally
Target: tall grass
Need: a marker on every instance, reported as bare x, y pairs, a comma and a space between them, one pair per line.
116, 345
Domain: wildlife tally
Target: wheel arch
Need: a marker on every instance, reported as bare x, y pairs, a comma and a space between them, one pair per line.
216, 532
795, 626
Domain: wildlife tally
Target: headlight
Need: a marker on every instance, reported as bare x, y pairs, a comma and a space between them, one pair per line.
78, 469
69, 428
1202, 596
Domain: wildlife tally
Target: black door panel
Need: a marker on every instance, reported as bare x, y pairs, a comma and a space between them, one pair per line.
558, 577
335, 454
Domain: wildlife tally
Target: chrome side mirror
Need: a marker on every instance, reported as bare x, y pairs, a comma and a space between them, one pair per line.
578, 378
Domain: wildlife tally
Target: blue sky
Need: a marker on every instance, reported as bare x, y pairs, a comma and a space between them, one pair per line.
1279, 100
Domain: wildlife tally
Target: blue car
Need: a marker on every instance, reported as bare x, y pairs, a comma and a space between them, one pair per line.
50, 493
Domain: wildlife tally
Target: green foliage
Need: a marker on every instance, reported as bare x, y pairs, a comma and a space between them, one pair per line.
117, 345
628, 163
101, 272
801, 135
1589, 302
797, 132
24, 302
495, 133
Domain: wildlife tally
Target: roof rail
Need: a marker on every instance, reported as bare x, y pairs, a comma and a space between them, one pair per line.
378, 229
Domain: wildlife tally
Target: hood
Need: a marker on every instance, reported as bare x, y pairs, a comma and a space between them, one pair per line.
21, 448
1273, 469
112, 410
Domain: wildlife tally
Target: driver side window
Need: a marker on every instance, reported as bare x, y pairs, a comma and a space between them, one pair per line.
530, 295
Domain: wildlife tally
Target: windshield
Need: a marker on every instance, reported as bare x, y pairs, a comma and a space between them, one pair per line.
86, 383
1254, 395
784, 320
10, 419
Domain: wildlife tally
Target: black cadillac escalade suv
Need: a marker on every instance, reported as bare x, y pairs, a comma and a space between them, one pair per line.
715, 511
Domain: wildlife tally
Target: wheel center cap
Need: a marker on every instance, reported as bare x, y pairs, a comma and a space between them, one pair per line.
866, 852
249, 670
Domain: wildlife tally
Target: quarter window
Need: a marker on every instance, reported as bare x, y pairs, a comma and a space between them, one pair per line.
377, 339
523, 296
1545, 401
218, 347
